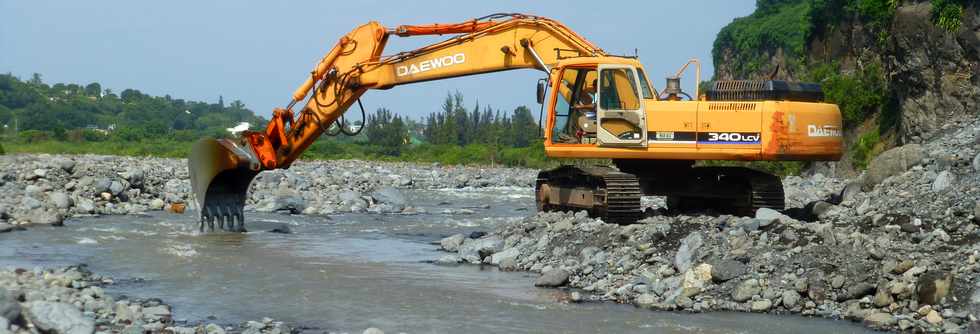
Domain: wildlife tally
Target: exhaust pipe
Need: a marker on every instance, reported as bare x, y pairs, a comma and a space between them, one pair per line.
220, 172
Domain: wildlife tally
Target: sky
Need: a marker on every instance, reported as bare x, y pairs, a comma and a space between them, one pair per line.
260, 51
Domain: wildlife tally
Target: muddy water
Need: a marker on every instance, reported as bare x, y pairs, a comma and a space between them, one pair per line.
349, 272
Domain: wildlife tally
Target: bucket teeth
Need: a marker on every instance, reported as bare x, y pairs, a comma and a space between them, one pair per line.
229, 217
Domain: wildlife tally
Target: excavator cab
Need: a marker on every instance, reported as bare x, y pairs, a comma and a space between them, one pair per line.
599, 105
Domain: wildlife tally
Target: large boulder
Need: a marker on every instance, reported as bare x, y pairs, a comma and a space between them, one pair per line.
688, 251
475, 250
9, 307
390, 196
452, 243
60, 200
283, 200
59, 318
724, 270
746, 289
892, 162
553, 278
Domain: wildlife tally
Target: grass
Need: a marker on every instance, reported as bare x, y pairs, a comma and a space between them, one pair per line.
947, 14
866, 148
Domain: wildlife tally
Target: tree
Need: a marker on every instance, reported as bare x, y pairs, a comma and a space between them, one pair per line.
36, 80
386, 131
93, 89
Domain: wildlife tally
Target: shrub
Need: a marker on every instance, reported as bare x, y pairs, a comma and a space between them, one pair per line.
865, 149
859, 94
947, 14
33, 136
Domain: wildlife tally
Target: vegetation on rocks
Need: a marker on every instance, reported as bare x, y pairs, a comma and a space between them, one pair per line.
877, 59
948, 14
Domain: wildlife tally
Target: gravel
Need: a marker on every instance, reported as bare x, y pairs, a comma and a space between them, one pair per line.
47, 189
895, 248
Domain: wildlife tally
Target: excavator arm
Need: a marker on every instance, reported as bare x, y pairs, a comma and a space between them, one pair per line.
222, 169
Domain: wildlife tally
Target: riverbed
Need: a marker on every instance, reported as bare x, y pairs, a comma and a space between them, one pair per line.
348, 272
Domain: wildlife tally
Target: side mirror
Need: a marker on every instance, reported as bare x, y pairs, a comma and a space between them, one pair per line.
541, 91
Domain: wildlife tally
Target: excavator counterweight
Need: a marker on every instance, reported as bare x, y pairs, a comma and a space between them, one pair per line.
598, 106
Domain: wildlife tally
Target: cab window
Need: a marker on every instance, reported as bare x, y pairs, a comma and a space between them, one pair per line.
575, 104
645, 86
617, 89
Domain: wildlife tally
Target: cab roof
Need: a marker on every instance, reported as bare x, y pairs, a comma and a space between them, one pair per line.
588, 60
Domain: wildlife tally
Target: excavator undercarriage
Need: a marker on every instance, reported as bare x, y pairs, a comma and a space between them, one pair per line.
613, 193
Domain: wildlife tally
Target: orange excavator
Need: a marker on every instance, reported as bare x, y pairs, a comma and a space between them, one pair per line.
595, 105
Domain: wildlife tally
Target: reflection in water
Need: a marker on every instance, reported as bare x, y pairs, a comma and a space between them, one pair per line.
350, 272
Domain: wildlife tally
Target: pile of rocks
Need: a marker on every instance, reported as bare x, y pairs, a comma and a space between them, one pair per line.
896, 248
46, 189
71, 301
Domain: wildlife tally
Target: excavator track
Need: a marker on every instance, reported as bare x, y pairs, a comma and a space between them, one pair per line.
604, 192
735, 190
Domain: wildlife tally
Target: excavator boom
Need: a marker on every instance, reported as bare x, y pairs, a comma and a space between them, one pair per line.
222, 169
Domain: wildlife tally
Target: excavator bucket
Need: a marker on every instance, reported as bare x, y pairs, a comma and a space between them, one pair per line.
221, 171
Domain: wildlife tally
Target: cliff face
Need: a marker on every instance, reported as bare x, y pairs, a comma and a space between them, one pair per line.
927, 74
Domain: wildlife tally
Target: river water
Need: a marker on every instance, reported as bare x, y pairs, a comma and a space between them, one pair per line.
349, 272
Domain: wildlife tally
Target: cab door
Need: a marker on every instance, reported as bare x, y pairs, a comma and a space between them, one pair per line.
621, 120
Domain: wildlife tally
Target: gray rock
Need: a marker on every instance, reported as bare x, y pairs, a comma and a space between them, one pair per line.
116, 187
883, 297
688, 251
449, 259
452, 243
820, 209
30, 203
373, 330
943, 181
60, 200
857, 291
214, 329
9, 307
59, 318
45, 217
101, 185
880, 320
283, 200
509, 254
767, 214
553, 278
726, 269
475, 250
135, 177
4, 227
790, 298
156, 313
761, 305
66, 165
746, 289
390, 196
892, 162
85, 205
125, 314
851, 190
